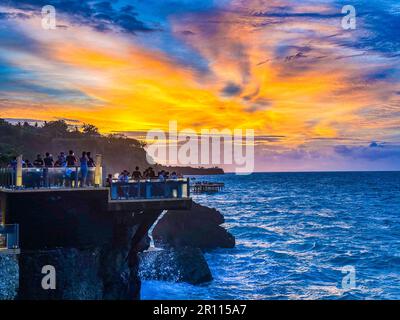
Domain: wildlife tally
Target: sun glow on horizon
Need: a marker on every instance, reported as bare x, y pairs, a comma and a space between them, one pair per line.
293, 82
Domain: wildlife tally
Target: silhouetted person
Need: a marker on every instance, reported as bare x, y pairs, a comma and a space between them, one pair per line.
84, 168
38, 176
91, 162
109, 181
136, 175
71, 159
61, 160
28, 164
38, 163
149, 173
13, 163
161, 175
48, 160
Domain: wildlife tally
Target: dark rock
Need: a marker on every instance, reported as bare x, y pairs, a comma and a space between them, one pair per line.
77, 274
102, 272
9, 276
198, 227
176, 265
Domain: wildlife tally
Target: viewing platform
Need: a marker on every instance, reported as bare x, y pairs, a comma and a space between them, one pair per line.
61, 207
207, 187
133, 193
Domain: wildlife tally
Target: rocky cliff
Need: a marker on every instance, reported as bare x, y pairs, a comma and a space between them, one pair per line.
181, 236
199, 227
9, 276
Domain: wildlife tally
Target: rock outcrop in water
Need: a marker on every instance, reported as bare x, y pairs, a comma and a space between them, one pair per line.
183, 235
199, 227
175, 265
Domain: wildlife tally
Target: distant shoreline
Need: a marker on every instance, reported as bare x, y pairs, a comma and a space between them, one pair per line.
190, 171
339, 171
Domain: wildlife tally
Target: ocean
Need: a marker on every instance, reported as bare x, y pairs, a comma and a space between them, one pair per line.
300, 236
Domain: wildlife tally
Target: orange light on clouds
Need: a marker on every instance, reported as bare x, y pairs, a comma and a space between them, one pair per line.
134, 88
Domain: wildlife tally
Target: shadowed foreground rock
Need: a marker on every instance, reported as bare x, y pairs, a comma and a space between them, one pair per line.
198, 227
108, 272
9, 276
176, 265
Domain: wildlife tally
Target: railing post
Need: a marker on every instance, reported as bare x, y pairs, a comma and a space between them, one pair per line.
18, 172
98, 176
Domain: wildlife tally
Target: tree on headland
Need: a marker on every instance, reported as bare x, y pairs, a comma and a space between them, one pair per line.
119, 152
57, 128
90, 129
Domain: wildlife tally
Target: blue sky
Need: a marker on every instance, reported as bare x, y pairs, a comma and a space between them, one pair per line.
318, 97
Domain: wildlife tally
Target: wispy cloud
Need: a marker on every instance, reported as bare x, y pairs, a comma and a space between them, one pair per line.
311, 90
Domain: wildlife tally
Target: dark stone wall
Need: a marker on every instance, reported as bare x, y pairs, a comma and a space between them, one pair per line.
93, 250
72, 219
106, 272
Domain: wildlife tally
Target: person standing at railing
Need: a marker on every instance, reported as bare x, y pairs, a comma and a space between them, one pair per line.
136, 174
69, 172
84, 168
123, 187
48, 160
13, 163
27, 164
91, 164
109, 180
38, 163
48, 163
71, 159
61, 160
149, 173
38, 176
62, 174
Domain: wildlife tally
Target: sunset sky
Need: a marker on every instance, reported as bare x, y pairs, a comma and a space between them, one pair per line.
318, 97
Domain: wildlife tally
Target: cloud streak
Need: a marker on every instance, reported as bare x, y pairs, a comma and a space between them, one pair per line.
311, 90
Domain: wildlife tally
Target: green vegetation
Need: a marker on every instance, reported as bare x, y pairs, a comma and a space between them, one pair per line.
119, 152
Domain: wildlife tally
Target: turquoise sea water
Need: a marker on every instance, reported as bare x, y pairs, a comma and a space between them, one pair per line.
295, 233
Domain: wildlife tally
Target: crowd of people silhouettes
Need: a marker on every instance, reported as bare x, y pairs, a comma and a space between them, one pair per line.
70, 175
137, 175
70, 162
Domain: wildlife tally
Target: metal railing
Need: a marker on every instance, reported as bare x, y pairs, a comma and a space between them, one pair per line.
9, 236
7, 177
150, 189
62, 177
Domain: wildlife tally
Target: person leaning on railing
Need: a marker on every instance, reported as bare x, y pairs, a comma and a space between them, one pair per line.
136, 174
48, 163
109, 181
69, 172
84, 168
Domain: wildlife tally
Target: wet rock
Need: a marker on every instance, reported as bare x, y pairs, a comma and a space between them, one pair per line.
199, 227
175, 265
76, 272
81, 274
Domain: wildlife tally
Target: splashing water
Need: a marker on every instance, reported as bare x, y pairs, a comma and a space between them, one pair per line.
295, 234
